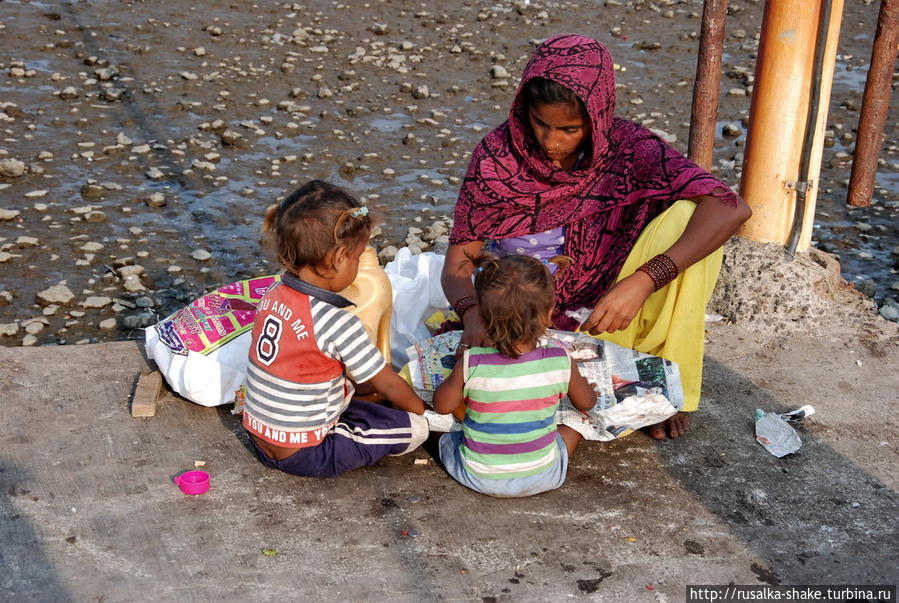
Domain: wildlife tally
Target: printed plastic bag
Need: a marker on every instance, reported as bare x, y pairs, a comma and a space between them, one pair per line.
417, 293
201, 349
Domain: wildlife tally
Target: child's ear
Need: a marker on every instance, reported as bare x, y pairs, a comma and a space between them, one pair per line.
329, 262
548, 318
340, 256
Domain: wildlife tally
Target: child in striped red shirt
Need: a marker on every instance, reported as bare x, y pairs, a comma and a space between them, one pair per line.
309, 355
510, 445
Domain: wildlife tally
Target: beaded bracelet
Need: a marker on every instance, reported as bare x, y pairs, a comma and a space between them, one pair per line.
461, 305
661, 269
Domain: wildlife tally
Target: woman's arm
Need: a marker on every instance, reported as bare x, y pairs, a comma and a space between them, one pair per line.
448, 395
456, 281
580, 392
710, 226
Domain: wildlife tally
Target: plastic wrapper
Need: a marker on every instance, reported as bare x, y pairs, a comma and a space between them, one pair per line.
774, 432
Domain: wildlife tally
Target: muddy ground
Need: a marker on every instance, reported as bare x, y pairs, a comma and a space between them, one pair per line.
137, 137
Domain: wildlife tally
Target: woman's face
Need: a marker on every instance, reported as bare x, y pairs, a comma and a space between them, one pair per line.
560, 129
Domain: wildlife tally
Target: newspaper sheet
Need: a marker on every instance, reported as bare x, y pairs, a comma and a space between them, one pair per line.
633, 389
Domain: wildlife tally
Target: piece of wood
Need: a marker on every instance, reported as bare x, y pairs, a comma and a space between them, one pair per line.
148, 385
875, 106
708, 83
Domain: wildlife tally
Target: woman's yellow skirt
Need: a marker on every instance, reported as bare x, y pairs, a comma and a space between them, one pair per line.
671, 324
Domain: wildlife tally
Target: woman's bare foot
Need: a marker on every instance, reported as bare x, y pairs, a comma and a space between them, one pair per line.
672, 427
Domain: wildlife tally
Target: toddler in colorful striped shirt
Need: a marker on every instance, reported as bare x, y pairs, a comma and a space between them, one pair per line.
510, 445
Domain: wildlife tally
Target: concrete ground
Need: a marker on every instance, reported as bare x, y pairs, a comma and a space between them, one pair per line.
88, 511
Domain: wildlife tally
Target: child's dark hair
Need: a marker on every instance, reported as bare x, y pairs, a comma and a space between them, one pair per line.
515, 296
314, 219
541, 91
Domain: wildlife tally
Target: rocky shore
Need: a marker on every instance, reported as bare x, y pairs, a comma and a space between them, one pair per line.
142, 141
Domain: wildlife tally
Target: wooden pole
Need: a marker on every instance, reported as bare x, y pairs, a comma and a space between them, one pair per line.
814, 167
707, 87
777, 117
874, 105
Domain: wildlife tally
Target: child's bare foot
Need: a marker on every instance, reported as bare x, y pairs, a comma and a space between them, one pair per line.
671, 427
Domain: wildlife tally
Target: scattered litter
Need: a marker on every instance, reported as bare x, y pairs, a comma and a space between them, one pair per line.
774, 432
630, 539
270, 552
421, 461
410, 533
199, 463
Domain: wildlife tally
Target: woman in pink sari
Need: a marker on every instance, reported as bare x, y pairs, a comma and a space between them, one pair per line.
642, 224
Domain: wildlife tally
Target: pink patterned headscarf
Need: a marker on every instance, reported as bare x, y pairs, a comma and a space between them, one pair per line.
628, 176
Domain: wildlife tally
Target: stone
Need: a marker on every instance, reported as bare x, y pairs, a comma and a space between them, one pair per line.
731, 131
144, 302
387, 254
498, 72
96, 301
132, 283
29, 340
69, 93
26, 241
155, 173
201, 255
106, 73
231, 138
111, 94
34, 327
9, 329
12, 168
866, 287
156, 199
57, 294
108, 325
890, 312
131, 270
421, 92
9, 214
91, 247
667, 137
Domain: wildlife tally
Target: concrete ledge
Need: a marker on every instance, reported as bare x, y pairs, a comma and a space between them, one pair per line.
89, 509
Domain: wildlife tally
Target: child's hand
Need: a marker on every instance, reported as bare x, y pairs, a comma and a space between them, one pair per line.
397, 391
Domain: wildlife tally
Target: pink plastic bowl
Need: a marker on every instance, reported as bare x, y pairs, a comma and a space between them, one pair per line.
193, 482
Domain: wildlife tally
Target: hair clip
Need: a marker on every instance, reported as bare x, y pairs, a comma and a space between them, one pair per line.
362, 211
479, 269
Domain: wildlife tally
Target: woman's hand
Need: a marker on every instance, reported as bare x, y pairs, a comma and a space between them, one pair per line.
473, 335
617, 308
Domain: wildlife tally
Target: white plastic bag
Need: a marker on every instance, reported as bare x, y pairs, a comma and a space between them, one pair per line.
208, 380
417, 293
202, 349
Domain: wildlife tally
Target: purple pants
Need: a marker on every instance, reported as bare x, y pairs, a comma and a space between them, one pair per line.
364, 434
